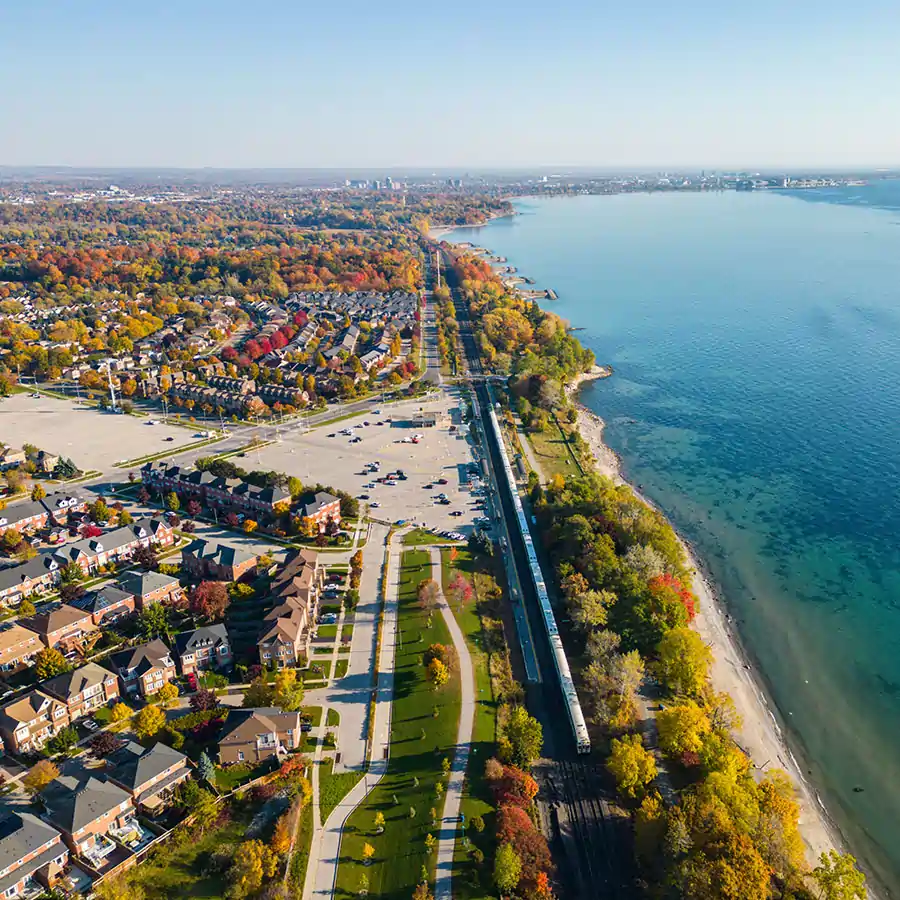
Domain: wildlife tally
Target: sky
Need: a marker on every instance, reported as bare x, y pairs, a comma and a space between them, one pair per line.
489, 84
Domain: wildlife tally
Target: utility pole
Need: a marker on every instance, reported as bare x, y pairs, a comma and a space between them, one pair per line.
112, 390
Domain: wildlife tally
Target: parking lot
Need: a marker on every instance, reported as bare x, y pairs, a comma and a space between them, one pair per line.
340, 461
91, 438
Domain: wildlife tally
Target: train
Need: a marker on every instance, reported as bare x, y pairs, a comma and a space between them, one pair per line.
560, 662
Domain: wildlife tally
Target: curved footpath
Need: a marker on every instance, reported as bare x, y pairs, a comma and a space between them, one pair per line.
450, 820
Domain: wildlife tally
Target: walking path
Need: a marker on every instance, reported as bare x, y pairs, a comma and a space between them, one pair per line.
326, 844
450, 821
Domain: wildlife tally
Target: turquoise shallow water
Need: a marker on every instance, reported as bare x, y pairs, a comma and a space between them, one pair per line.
756, 343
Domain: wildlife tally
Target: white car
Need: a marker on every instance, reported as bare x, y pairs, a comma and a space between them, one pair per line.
374, 504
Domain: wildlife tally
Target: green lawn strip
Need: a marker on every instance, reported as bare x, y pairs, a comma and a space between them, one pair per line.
469, 881
318, 671
333, 719
326, 632
300, 856
314, 714
340, 670
347, 631
177, 868
166, 453
400, 851
320, 651
420, 536
334, 787
553, 452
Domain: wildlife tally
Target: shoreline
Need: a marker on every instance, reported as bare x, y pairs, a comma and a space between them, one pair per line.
760, 736
438, 232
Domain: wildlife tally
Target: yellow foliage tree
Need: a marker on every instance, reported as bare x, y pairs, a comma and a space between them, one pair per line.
438, 673
684, 661
681, 728
631, 765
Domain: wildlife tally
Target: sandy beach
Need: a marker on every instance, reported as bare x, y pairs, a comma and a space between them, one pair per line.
760, 735
437, 232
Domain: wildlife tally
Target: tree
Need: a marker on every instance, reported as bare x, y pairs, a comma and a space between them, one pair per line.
368, 852
49, 662
294, 486
379, 822
146, 558
104, 743
363, 885
631, 765
154, 620
64, 741
149, 721
590, 610
119, 888
126, 518
422, 891
121, 713
438, 673
288, 691
507, 869
204, 700
69, 593
522, 738
172, 502
205, 768
209, 600
38, 493
26, 608
684, 661
681, 728
356, 561
71, 573
167, 694
837, 878
40, 775
253, 863
428, 593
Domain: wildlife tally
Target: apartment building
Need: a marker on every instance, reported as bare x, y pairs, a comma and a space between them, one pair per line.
218, 562
151, 587
321, 507
117, 545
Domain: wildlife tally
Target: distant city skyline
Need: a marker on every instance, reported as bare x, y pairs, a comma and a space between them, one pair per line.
492, 85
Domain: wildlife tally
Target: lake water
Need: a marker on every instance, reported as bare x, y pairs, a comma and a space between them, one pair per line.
756, 398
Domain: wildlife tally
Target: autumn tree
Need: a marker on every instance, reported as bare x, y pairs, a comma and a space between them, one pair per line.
837, 878
209, 600
631, 765
40, 775
682, 728
521, 738
120, 714
167, 694
103, 743
253, 863
149, 721
428, 594
49, 662
287, 691
507, 869
438, 673
684, 661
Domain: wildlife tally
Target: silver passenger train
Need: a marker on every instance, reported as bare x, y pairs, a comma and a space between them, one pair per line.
560, 663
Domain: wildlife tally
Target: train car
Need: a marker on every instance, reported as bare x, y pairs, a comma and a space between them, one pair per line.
560, 661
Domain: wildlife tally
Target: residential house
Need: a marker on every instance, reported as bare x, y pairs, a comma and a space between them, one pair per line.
27, 723
18, 647
321, 507
86, 809
117, 545
204, 648
143, 670
106, 605
151, 587
47, 462
63, 627
218, 562
10, 458
253, 735
84, 690
32, 515
31, 577
151, 775
32, 854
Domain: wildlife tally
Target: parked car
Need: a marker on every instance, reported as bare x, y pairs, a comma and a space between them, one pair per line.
456, 512
441, 481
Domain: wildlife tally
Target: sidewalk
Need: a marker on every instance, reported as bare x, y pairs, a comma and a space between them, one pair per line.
325, 850
450, 820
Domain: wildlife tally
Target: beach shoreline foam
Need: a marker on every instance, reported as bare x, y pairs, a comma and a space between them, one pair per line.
760, 736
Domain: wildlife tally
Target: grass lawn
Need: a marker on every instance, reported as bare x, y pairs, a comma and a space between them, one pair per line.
333, 788
340, 670
333, 719
347, 633
420, 536
300, 857
400, 850
318, 670
314, 713
551, 447
179, 871
469, 882
230, 777
326, 632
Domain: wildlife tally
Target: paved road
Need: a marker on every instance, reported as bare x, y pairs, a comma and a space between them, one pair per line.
326, 844
450, 821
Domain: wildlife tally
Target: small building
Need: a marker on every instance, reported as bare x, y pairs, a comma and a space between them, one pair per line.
46, 462
27, 723
203, 649
63, 627
218, 562
144, 669
151, 775
84, 690
32, 854
10, 458
254, 735
151, 587
321, 507
18, 647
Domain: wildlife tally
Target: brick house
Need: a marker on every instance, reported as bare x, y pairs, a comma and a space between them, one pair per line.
143, 670
54, 509
219, 562
252, 735
117, 545
107, 605
27, 723
63, 627
150, 775
32, 577
18, 647
85, 810
84, 690
203, 649
284, 639
151, 587
321, 507
32, 854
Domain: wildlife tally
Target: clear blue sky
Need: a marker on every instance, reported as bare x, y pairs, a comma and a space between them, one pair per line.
395, 84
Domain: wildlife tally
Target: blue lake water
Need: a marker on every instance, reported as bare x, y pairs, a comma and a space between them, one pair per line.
756, 343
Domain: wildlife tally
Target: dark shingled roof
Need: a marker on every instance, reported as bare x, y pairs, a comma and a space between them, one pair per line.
72, 803
134, 765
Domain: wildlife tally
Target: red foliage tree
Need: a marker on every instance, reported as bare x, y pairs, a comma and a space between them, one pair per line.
515, 787
511, 822
209, 599
669, 586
